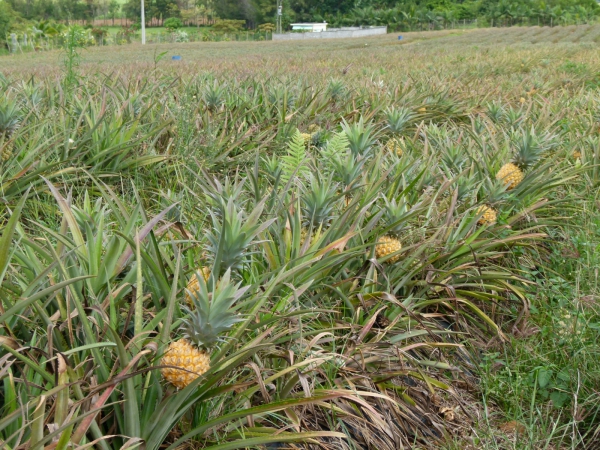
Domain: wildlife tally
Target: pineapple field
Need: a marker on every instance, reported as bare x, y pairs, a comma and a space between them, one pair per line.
354, 244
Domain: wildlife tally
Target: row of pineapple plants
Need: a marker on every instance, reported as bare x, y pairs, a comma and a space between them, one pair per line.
262, 278
321, 236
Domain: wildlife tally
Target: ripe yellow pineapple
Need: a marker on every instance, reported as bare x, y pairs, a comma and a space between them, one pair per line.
488, 215
307, 137
529, 149
394, 212
183, 354
194, 284
511, 175
313, 128
189, 357
386, 246
6, 151
303, 235
576, 154
394, 146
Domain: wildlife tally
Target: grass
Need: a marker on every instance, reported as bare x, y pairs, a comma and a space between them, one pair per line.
479, 337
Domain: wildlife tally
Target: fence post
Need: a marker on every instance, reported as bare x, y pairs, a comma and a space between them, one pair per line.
13, 43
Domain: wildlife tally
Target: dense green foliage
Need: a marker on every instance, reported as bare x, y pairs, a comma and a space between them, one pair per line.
410, 14
398, 14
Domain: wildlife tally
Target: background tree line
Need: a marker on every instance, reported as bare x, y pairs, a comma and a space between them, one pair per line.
396, 14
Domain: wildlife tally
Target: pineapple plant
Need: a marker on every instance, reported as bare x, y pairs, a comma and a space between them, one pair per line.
314, 136
490, 196
463, 183
398, 119
189, 357
233, 232
317, 203
10, 118
347, 168
361, 136
528, 153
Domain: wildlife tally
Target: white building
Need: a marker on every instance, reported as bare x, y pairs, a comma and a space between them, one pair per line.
311, 27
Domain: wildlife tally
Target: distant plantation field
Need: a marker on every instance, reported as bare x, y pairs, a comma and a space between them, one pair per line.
372, 243
523, 40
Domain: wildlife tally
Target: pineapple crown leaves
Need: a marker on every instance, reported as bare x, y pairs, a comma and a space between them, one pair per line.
454, 158
465, 182
495, 111
361, 136
213, 312
438, 136
317, 201
214, 96
273, 166
294, 162
232, 234
346, 166
398, 119
465, 186
10, 117
395, 212
491, 191
336, 89
530, 146
348, 170
218, 195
